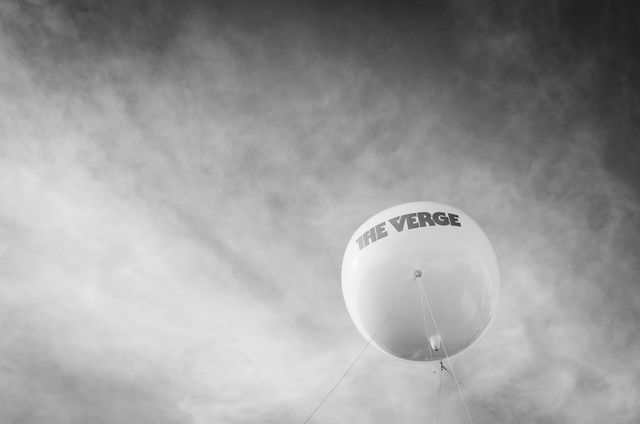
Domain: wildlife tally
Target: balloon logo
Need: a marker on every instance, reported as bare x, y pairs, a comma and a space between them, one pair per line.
421, 281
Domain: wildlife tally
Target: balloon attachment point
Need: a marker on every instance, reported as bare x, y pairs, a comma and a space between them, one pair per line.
417, 273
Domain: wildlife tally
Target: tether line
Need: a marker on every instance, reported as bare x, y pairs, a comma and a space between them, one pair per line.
371, 339
426, 329
480, 400
438, 401
435, 324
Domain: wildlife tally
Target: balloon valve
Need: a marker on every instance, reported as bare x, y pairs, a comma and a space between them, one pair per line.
435, 342
417, 273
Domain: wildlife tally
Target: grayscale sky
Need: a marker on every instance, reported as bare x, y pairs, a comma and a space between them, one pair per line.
178, 182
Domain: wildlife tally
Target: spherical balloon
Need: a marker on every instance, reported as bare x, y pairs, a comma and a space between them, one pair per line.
421, 281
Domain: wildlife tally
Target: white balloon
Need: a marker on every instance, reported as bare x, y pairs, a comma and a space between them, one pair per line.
421, 281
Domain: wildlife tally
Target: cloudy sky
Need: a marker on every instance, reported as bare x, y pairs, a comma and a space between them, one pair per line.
178, 182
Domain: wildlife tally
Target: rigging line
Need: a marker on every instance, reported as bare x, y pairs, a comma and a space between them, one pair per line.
438, 401
453, 373
426, 329
324, 399
480, 400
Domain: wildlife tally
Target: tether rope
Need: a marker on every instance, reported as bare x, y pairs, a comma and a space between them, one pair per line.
480, 400
438, 401
371, 339
445, 350
426, 329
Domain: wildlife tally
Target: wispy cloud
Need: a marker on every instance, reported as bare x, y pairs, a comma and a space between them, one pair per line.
177, 186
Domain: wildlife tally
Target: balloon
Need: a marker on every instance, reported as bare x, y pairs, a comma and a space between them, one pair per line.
421, 281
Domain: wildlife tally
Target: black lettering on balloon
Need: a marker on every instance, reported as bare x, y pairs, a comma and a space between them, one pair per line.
441, 218
412, 221
425, 218
381, 231
398, 222
369, 236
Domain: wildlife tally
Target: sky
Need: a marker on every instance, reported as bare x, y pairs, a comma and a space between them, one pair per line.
179, 180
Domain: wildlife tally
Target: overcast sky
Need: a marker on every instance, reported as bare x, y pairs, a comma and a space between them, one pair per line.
178, 182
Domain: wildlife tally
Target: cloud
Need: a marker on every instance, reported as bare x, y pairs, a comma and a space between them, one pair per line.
178, 185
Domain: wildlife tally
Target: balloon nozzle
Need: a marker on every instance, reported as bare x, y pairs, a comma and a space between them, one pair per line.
435, 341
